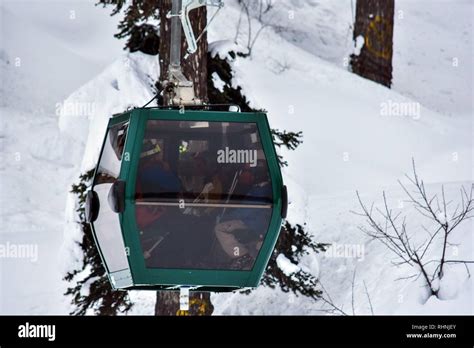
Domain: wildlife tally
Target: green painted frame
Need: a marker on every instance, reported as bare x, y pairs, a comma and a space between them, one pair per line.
210, 280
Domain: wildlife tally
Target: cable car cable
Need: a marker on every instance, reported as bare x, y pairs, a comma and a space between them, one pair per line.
149, 102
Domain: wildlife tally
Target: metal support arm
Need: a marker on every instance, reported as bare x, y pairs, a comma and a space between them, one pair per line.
179, 87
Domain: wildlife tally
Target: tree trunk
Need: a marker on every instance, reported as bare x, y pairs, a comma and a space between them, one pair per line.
195, 69
374, 22
195, 66
167, 303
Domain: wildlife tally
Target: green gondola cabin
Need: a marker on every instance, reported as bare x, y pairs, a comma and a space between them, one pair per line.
186, 199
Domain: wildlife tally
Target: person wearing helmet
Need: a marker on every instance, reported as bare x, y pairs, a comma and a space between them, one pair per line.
155, 175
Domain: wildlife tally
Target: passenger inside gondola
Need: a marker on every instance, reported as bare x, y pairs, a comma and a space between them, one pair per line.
239, 231
193, 212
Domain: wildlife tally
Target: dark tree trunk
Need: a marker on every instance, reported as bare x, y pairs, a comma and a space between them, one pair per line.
167, 303
195, 66
195, 69
374, 22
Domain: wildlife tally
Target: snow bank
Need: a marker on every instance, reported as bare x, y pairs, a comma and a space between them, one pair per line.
286, 265
126, 83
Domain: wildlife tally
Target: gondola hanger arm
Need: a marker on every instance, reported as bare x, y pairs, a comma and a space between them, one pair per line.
178, 87
186, 7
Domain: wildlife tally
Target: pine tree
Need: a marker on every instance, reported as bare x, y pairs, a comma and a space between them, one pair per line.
140, 35
374, 23
294, 242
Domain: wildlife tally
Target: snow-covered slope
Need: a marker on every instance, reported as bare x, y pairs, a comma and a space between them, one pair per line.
433, 45
44, 56
350, 144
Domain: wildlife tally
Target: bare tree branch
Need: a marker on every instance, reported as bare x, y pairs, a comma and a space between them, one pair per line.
368, 298
261, 10
330, 302
393, 233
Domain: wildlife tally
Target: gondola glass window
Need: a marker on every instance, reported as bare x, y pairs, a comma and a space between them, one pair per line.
203, 195
107, 225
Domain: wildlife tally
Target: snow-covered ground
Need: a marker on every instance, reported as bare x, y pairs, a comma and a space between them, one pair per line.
47, 50
298, 75
433, 45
